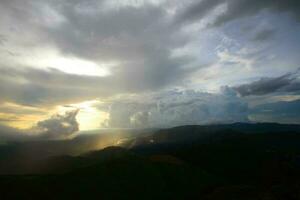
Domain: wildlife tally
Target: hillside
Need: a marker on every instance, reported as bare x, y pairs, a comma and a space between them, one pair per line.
238, 161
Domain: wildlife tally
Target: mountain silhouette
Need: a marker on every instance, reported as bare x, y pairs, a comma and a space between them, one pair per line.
236, 161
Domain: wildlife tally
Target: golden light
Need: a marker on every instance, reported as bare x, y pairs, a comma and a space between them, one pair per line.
77, 66
52, 58
20, 116
89, 117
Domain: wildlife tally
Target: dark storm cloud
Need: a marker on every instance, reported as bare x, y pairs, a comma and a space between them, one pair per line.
237, 9
293, 88
285, 83
59, 126
11, 134
38, 87
139, 40
198, 10
126, 33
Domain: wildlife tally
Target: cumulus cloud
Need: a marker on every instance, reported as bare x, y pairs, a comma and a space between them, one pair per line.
237, 9
174, 108
285, 83
59, 126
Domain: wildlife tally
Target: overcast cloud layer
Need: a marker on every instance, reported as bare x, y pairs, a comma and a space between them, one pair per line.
155, 63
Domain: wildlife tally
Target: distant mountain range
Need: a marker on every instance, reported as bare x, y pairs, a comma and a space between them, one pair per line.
234, 161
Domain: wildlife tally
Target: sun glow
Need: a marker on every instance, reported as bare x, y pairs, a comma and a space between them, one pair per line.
89, 117
77, 66
52, 58
20, 116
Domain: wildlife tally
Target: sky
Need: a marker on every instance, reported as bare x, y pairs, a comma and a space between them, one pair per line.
71, 65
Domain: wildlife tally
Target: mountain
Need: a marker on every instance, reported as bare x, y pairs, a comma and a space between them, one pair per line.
197, 133
234, 161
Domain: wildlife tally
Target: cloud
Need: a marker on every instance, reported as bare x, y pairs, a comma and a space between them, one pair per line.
49, 87
282, 111
39, 87
237, 9
143, 51
140, 119
59, 126
264, 35
198, 10
284, 83
3, 39
138, 39
174, 108
12, 134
